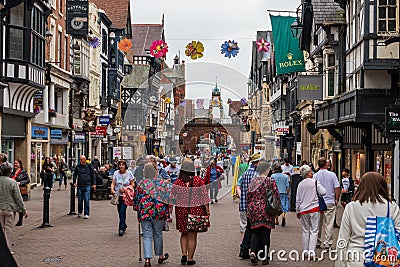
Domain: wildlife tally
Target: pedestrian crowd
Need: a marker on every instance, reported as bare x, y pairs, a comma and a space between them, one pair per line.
181, 188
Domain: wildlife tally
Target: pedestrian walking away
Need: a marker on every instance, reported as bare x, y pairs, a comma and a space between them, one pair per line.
10, 203
371, 201
62, 167
122, 179
331, 184
83, 179
282, 182
22, 178
196, 203
241, 188
307, 208
152, 209
261, 222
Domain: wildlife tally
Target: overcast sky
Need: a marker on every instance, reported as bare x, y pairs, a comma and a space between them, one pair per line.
211, 22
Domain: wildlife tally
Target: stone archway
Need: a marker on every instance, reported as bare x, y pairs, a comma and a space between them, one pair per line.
192, 131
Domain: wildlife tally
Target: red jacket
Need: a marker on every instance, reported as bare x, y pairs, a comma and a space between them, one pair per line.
207, 176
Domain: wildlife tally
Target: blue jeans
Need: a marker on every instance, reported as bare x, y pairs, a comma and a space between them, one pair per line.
152, 229
122, 214
63, 176
83, 196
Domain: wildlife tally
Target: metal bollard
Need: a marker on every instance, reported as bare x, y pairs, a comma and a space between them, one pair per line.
72, 201
46, 207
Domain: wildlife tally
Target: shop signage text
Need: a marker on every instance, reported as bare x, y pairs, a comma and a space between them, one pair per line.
40, 132
309, 87
282, 130
105, 120
79, 138
77, 17
392, 118
56, 134
100, 132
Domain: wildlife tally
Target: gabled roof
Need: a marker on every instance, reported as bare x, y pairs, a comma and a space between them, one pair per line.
116, 10
143, 35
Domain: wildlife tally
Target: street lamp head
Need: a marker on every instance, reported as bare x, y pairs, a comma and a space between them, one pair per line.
296, 28
48, 35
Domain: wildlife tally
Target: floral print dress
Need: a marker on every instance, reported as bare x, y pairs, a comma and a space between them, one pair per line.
152, 199
256, 202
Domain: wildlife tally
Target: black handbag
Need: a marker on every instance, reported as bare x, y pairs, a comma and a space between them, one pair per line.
321, 201
273, 203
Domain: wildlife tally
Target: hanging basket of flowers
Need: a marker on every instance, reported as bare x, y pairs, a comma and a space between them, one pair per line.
52, 113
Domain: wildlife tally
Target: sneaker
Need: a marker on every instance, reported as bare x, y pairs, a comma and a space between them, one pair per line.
216, 200
79, 215
244, 255
120, 233
86, 216
212, 202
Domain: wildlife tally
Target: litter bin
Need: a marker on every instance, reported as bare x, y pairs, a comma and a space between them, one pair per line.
296, 179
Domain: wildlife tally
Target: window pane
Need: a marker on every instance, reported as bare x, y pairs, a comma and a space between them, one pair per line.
17, 15
382, 12
392, 2
392, 12
382, 26
16, 42
392, 25
331, 82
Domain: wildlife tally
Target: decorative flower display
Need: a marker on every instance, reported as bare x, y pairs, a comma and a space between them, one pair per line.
52, 113
158, 48
93, 41
243, 101
37, 109
229, 101
194, 50
263, 45
125, 45
89, 115
230, 48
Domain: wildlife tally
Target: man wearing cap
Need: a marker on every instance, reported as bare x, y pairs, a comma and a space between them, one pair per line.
172, 169
242, 187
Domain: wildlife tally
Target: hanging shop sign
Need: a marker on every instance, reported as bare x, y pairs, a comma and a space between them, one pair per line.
56, 134
309, 87
392, 119
39, 132
99, 132
105, 120
79, 137
77, 17
282, 130
288, 57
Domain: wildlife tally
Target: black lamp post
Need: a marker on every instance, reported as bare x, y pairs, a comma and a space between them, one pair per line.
296, 28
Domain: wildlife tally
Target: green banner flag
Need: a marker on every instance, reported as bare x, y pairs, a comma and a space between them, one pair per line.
288, 57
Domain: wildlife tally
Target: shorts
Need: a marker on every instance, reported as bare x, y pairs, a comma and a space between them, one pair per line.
243, 221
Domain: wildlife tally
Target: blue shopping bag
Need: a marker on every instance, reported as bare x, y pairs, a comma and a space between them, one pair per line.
381, 242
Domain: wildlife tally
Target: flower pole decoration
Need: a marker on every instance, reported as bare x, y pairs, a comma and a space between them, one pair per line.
194, 50
263, 45
94, 42
125, 45
89, 115
243, 101
52, 113
158, 48
229, 101
230, 48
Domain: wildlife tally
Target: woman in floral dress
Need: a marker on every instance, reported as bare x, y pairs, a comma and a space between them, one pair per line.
261, 221
151, 204
198, 204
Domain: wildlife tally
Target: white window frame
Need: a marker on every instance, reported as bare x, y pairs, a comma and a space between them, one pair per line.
387, 19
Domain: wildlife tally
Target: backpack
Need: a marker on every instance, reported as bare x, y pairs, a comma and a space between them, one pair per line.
381, 242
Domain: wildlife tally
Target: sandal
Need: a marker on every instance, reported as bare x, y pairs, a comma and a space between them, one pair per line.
191, 262
164, 258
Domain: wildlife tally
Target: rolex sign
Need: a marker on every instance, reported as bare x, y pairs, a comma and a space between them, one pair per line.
77, 17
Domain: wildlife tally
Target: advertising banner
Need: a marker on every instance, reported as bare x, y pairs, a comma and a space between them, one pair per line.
288, 57
309, 87
77, 17
392, 119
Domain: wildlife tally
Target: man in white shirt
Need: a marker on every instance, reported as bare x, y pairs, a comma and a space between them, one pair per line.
173, 170
331, 184
287, 169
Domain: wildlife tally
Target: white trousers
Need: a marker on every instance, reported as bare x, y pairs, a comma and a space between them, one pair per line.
309, 223
327, 220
